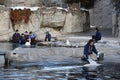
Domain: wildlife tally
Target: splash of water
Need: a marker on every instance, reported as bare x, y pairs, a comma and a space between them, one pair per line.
91, 63
60, 68
68, 42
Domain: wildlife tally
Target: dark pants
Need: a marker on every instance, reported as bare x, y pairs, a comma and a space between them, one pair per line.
95, 38
33, 41
87, 55
47, 38
83, 58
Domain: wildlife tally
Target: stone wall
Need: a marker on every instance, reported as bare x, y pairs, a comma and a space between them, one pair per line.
116, 19
77, 23
11, 3
56, 21
50, 3
5, 25
47, 3
101, 14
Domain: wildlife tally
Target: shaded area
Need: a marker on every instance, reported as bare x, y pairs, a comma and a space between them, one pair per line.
105, 33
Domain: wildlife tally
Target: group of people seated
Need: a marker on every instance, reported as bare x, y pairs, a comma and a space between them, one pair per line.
26, 38
90, 48
23, 38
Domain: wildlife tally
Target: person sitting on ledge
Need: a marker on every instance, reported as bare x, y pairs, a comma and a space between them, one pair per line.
22, 39
97, 35
48, 36
16, 37
32, 37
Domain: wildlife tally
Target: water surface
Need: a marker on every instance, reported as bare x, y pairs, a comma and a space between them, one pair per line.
66, 70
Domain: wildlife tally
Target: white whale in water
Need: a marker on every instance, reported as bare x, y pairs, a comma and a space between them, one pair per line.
60, 68
41, 54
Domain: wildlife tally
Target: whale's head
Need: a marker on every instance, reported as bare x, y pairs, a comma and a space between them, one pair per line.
12, 55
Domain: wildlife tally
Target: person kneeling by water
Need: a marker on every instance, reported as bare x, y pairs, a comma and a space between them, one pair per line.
89, 48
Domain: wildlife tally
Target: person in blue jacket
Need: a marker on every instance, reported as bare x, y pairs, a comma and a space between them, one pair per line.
89, 48
97, 35
32, 37
48, 36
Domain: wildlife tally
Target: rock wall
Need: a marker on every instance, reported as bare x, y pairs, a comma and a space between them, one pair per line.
101, 14
56, 21
47, 3
116, 19
11, 3
77, 23
5, 26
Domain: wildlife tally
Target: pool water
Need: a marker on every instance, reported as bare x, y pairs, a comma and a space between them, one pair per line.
67, 70
59, 71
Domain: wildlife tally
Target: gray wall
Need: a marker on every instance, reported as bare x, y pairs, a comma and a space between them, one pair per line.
23, 2
101, 15
2, 2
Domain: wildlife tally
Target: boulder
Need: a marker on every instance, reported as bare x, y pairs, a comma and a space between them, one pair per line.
53, 18
77, 22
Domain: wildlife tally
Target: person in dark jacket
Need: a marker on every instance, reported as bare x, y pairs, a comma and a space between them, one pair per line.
97, 35
22, 39
26, 35
16, 37
89, 48
48, 36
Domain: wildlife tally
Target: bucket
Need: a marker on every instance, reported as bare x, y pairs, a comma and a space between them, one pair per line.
101, 57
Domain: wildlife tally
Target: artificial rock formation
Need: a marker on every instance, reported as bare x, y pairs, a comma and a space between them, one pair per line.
116, 18
22, 2
5, 26
101, 14
57, 21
